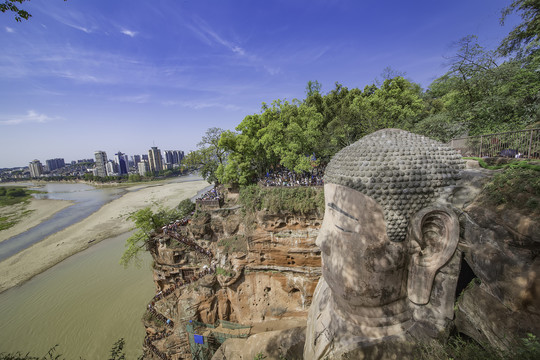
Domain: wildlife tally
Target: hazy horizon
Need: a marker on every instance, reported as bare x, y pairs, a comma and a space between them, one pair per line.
127, 75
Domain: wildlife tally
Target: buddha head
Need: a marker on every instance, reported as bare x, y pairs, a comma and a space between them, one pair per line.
384, 236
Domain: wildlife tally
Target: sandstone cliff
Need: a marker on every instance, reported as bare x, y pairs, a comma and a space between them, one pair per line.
262, 271
263, 268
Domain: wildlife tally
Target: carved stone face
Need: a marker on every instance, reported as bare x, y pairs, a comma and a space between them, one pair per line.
360, 264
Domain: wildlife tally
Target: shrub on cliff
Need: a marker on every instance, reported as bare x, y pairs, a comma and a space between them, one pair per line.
296, 200
515, 187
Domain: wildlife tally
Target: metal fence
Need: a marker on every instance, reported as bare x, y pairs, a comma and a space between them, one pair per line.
517, 144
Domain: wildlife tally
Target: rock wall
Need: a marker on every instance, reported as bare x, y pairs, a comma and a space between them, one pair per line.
501, 248
265, 268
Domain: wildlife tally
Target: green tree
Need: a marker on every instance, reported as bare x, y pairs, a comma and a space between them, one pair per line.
209, 156
479, 96
524, 39
11, 5
397, 104
146, 222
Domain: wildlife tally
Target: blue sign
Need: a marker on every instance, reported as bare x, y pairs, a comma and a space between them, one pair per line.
198, 339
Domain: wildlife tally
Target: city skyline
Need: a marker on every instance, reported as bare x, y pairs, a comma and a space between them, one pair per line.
77, 74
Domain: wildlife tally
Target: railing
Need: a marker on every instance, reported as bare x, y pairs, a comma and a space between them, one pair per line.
518, 144
208, 204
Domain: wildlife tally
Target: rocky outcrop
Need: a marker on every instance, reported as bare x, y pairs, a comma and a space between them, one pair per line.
264, 269
501, 247
262, 272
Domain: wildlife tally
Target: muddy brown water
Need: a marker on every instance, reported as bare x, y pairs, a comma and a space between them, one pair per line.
84, 304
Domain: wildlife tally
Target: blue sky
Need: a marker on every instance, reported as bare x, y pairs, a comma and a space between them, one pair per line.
124, 75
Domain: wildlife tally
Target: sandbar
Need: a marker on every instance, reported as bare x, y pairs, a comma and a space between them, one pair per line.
109, 221
40, 210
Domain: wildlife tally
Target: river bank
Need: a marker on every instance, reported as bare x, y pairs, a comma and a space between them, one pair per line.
38, 210
109, 221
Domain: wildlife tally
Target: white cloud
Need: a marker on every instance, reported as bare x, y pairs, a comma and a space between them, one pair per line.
209, 36
128, 32
74, 20
10, 30
138, 99
30, 117
199, 105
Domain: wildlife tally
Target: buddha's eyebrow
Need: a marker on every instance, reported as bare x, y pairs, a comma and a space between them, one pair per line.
338, 209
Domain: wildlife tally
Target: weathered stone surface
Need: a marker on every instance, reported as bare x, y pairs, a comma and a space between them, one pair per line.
383, 240
485, 318
501, 247
272, 345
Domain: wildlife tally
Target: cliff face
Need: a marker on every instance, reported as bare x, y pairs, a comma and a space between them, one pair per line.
261, 270
500, 247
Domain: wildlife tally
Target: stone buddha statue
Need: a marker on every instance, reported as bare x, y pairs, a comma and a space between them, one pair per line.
385, 236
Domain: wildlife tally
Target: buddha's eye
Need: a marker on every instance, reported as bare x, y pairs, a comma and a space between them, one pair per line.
342, 229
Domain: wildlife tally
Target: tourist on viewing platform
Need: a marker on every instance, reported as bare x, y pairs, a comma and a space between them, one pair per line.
285, 177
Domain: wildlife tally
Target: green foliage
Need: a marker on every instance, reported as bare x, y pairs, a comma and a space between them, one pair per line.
209, 156
525, 37
13, 195
529, 349
145, 221
224, 272
458, 347
516, 186
9, 5
236, 243
298, 200
134, 178
397, 104
117, 350
479, 96
185, 208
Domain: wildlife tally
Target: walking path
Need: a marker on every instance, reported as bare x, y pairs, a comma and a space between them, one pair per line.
173, 230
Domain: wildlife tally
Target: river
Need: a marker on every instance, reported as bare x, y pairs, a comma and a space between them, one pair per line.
85, 303
88, 199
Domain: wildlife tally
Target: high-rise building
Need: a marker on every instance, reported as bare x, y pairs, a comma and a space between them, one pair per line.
136, 160
173, 156
112, 168
144, 157
155, 161
101, 163
122, 163
143, 167
54, 164
36, 168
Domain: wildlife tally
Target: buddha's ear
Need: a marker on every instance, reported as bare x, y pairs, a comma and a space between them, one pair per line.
433, 238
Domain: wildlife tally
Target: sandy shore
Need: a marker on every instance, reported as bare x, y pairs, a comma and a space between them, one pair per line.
107, 222
41, 210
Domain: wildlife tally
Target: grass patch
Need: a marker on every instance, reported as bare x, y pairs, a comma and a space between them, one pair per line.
11, 195
236, 243
515, 187
224, 272
464, 348
494, 164
296, 200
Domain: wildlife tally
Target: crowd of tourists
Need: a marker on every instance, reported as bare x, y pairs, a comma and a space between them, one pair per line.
154, 349
285, 177
212, 194
190, 243
159, 316
173, 229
